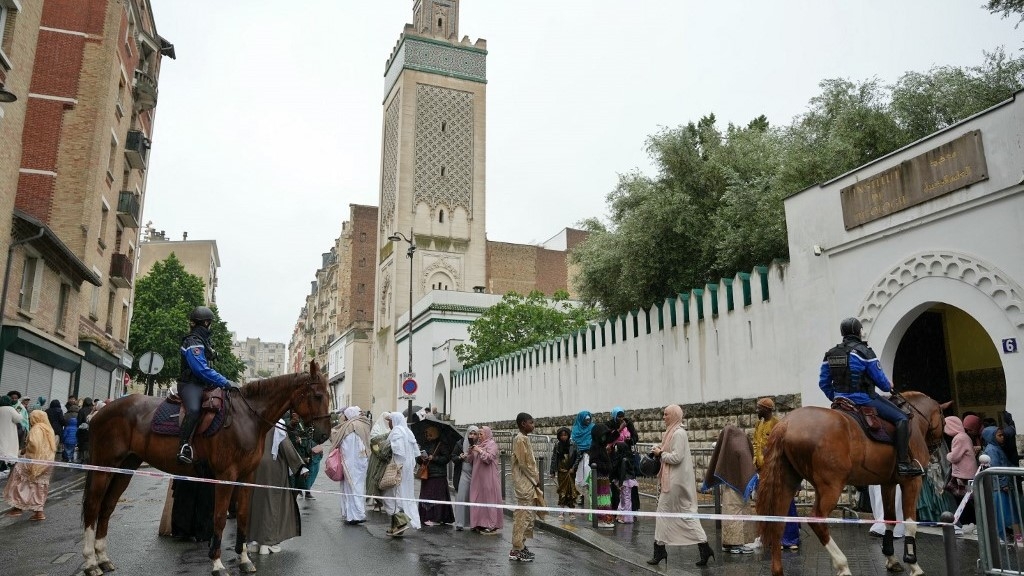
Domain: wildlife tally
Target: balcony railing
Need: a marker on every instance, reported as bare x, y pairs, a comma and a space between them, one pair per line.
145, 91
121, 268
136, 149
128, 207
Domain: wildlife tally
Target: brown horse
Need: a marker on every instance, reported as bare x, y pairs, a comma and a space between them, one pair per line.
830, 450
122, 439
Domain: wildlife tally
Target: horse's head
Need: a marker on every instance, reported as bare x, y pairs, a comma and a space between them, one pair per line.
312, 402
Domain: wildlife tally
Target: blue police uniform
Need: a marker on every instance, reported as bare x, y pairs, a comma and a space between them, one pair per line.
196, 376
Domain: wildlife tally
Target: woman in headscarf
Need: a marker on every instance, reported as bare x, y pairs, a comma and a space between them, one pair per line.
564, 455
486, 487
29, 484
274, 513
581, 429
732, 466
435, 455
964, 467
465, 478
354, 435
56, 416
380, 455
401, 499
678, 492
621, 429
1006, 512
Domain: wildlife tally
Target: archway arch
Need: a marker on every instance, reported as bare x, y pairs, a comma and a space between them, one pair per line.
440, 399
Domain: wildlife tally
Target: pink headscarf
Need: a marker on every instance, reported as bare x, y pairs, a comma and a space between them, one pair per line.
674, 421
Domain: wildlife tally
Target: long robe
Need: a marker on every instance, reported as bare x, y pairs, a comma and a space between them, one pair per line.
29, 484
355, 455
274, 515
404, 450
465, 480
681, 496
486, 486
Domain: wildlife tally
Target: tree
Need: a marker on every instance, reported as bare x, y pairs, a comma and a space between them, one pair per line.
1006, 8
163, 300
518, 322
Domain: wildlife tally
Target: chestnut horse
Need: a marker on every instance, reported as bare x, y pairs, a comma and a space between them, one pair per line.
122, 439
830, 450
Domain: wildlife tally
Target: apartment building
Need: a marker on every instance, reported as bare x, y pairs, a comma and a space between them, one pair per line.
198, 257
261, 359
86, 76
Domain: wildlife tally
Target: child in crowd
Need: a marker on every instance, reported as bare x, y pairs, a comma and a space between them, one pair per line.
70, 439
624, 477
563, 470
525, 482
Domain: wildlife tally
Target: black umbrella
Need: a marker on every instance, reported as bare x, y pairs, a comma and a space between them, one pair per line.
412, 418
449, 435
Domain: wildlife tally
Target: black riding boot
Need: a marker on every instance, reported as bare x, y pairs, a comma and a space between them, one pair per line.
188, 426
904, 467
705, 553
659, 554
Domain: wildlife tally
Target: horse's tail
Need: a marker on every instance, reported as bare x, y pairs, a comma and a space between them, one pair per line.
776, 487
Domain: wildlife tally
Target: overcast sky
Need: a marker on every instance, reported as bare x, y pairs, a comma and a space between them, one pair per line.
269, 121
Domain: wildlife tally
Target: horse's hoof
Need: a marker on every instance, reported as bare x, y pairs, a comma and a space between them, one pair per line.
247, 567
107, 566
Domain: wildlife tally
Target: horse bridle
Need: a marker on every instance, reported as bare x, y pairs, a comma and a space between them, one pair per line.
276, 424
932, 446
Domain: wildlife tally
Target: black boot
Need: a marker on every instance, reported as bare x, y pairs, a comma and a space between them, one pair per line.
188, 426
904, 467
659, 554
705, 553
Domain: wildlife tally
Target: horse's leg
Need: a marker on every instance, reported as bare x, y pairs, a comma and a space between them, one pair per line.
911, 488
118, 484
827, 495
96, 484
892, 564
243, 499
222, 498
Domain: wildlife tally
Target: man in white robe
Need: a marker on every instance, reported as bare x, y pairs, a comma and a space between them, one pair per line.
404, 450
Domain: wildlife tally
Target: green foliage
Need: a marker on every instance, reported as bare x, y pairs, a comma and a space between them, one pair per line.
518, 322
1006, 8
163, 300
715, 206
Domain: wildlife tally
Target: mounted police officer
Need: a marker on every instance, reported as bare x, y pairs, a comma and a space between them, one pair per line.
196, 375
851, 370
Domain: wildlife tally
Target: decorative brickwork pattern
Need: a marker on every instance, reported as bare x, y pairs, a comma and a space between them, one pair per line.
444, 148
389, 167
994, 283
431, 57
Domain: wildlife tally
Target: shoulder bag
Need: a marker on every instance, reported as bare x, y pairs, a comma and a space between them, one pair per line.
335, 471
392, 476
423, 469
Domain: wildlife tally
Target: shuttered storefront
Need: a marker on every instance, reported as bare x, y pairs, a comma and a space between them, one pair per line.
60, 386
34, 379
15, 373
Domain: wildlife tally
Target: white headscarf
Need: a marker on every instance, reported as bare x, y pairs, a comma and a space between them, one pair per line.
380, 427
280, 433
352, 412
401, 432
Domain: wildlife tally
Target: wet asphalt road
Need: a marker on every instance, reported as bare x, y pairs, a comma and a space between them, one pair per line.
53, 547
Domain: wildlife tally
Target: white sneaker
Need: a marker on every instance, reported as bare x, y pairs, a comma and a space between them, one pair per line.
264, 549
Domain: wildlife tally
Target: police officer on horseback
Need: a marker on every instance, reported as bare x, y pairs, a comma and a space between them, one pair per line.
851, 370
196, 376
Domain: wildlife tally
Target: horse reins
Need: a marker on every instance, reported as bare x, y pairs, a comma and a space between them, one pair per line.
931, 447
276, 424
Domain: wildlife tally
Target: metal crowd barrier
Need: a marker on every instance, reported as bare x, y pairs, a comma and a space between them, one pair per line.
999, 554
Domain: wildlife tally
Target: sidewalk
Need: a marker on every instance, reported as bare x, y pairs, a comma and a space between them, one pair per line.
633, 543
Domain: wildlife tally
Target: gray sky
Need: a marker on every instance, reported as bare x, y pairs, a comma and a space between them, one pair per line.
269, 121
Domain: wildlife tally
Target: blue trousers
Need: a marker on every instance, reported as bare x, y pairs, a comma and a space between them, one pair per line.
887, 410
191, 397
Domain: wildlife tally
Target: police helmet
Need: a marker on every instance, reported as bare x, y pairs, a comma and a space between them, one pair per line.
200, 314
850, 327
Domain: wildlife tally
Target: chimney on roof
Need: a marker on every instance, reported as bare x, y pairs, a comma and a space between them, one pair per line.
184, 236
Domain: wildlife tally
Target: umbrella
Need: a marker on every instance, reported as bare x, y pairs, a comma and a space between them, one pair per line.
449, 435
412, 418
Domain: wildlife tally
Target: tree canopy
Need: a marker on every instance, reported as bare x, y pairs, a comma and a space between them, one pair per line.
518, 322
1006, 8
163, 300
715, 205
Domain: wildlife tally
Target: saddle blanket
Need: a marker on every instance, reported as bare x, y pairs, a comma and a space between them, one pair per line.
165, 421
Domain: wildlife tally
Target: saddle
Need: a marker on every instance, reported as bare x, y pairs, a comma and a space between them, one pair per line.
874, 426
171, 413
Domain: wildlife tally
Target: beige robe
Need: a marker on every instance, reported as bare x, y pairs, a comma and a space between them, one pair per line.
274, 513
681, 496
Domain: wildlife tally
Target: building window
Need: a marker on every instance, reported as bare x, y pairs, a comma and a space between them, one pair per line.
362, 262
442, 171
124, 323
109, 325
360, 289
31, 281
104, 216
112, 159
362, 236
63, 299
94, 304
440, 216
444, 126
5, 14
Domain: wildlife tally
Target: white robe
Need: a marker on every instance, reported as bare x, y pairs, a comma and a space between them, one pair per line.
404, 450
353, 486
899, 530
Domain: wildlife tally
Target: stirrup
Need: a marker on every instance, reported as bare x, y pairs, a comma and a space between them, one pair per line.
185, 454
912, 468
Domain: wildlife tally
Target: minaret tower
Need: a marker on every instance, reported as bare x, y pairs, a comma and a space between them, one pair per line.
432, 182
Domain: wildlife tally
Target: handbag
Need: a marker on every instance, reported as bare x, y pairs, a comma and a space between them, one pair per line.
650, 466
423, 469
391, 477
335, 471
957, 487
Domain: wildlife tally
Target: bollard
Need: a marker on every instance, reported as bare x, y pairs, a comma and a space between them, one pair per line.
949, 543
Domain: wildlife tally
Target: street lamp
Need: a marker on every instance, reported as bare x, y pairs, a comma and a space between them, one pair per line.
411, 240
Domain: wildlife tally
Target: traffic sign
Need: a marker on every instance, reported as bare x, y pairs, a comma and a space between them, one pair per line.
151, 363
409, 386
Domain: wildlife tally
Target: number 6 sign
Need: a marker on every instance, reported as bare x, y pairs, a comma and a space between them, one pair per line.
1009, 345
